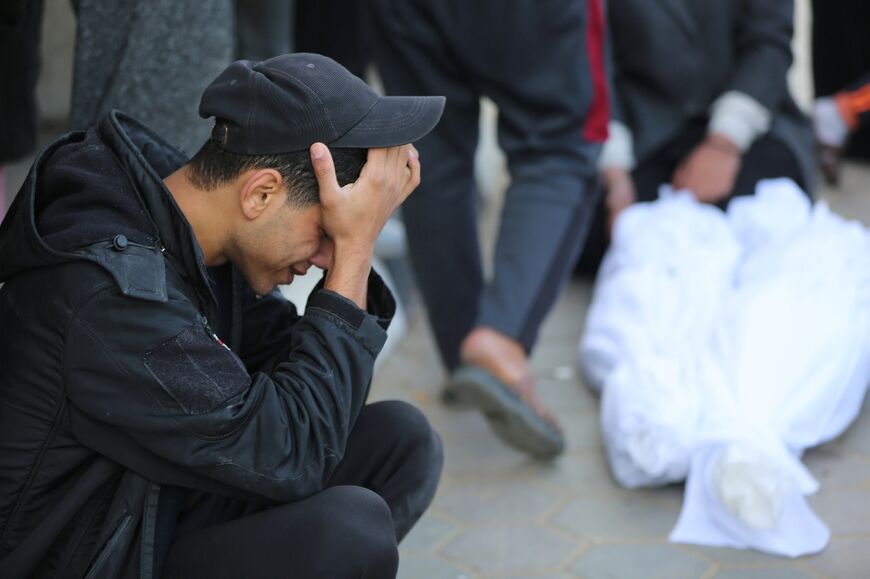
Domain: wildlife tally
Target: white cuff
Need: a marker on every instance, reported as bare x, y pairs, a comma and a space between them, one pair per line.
739, 117
831, 129
618, 150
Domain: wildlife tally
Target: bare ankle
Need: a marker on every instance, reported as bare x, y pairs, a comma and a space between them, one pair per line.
497, 353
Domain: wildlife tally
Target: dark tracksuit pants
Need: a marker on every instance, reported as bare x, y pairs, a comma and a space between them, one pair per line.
532, 58
383, 484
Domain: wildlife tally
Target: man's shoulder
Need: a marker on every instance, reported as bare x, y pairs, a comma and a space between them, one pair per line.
56, 293
139, 271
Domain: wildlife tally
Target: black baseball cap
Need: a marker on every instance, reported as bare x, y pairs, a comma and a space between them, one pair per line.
289, 102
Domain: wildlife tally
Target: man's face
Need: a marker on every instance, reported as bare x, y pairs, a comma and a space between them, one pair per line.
285, 244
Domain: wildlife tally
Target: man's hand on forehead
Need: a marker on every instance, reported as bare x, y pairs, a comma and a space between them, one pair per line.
357, 212
354, 215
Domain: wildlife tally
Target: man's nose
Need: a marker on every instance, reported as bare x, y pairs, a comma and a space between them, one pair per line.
301, 268
319, 260
323, 257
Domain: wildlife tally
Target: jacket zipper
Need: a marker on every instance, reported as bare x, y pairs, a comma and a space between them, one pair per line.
149, 531
109, 548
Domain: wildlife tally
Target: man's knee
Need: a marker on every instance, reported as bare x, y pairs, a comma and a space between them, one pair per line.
414, 433
358, 524
418, 448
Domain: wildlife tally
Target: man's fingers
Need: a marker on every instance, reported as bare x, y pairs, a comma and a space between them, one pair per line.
375, 169
395, 168
324, 168
413, 164
400, 160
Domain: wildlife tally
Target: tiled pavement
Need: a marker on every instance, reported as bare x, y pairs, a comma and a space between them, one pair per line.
499, 514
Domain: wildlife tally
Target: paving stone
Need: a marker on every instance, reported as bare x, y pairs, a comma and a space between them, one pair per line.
578, 473
417, 566
836, 466
728, 556
843, 559
496, 501
456, 424
626, 516
420, 375
857, 437
535, 576
642, 560
564, 395
845, 511
427, 534
582, 431
524, 549
850, 196
566, 319
552, 353
483, 454
764, 573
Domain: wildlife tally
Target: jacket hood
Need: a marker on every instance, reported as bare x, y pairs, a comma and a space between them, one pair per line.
98, 195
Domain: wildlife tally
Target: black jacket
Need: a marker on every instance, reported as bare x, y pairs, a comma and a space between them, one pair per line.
114, 388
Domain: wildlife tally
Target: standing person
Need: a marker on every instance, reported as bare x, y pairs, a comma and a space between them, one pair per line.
841, 56
837, 119
338, 29
541, 62
701, 101
164, 411
265, 28
20, 26
151, 59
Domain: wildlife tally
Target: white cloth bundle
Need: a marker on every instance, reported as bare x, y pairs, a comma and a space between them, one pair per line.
724, 346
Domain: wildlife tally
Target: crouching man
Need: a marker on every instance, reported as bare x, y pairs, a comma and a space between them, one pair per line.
163, 411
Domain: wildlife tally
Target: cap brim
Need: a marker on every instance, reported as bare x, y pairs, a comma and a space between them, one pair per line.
394, 120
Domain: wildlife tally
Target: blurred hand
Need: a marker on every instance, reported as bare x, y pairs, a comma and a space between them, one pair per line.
710, 170
619, 193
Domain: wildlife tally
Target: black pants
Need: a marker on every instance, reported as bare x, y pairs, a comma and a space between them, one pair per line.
531, 59
350, 529
338, 29
264, 28
767, 158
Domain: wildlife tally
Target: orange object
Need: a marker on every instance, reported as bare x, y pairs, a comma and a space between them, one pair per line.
852, 104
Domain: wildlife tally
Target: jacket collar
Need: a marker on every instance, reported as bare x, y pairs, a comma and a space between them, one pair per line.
147, 158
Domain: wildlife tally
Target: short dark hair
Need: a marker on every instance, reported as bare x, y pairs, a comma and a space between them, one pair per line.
213, 166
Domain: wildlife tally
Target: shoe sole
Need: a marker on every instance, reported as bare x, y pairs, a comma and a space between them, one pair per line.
509, 417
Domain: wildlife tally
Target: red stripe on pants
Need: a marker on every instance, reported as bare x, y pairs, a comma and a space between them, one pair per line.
595, 125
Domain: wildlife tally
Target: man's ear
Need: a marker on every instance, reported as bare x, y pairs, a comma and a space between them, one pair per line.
262, 190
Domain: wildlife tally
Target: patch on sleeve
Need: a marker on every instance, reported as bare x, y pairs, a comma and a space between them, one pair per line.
197, 370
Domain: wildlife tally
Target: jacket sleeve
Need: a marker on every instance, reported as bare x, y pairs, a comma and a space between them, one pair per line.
267, 325
759, 80
268, 322
763, 45
150, 386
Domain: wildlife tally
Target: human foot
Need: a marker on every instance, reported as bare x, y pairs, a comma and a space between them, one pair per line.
496, 379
